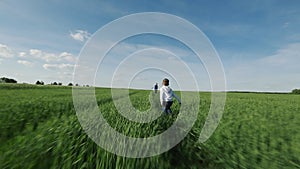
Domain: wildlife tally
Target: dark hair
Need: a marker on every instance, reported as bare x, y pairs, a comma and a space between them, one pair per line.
166, 82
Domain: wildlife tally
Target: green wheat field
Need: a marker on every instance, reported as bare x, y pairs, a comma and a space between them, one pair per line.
40, 129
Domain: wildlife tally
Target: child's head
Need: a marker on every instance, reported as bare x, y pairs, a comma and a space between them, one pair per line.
165, 82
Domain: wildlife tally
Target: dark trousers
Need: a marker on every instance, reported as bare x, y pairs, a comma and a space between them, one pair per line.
168, 106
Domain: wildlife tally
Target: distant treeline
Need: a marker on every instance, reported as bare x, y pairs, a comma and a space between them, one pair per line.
296, 91
7, 80
54, 83
259, 92
39, 82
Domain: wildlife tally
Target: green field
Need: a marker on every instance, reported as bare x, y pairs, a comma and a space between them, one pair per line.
40, 129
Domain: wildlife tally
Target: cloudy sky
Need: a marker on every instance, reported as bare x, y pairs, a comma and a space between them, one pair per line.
258, 42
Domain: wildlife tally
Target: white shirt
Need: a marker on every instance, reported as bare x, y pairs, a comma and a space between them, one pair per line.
167, 94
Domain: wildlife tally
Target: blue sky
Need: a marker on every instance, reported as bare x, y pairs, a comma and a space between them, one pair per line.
258, 42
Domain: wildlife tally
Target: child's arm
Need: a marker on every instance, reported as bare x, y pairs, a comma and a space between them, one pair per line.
161, 97
178, 99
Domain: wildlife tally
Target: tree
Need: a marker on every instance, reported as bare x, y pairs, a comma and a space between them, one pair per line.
59, 83
54, 83
296, 91
70, 84
39, 82
7, 80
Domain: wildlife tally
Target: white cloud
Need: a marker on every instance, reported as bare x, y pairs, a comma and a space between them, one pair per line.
26, 63
80, 35
287, 56
35, 53
58, 66
286, 24
277, 72
67, 57
22, 54
5, 51
49, 57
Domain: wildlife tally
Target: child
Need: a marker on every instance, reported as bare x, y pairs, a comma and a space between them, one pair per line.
155, 88
166, 96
